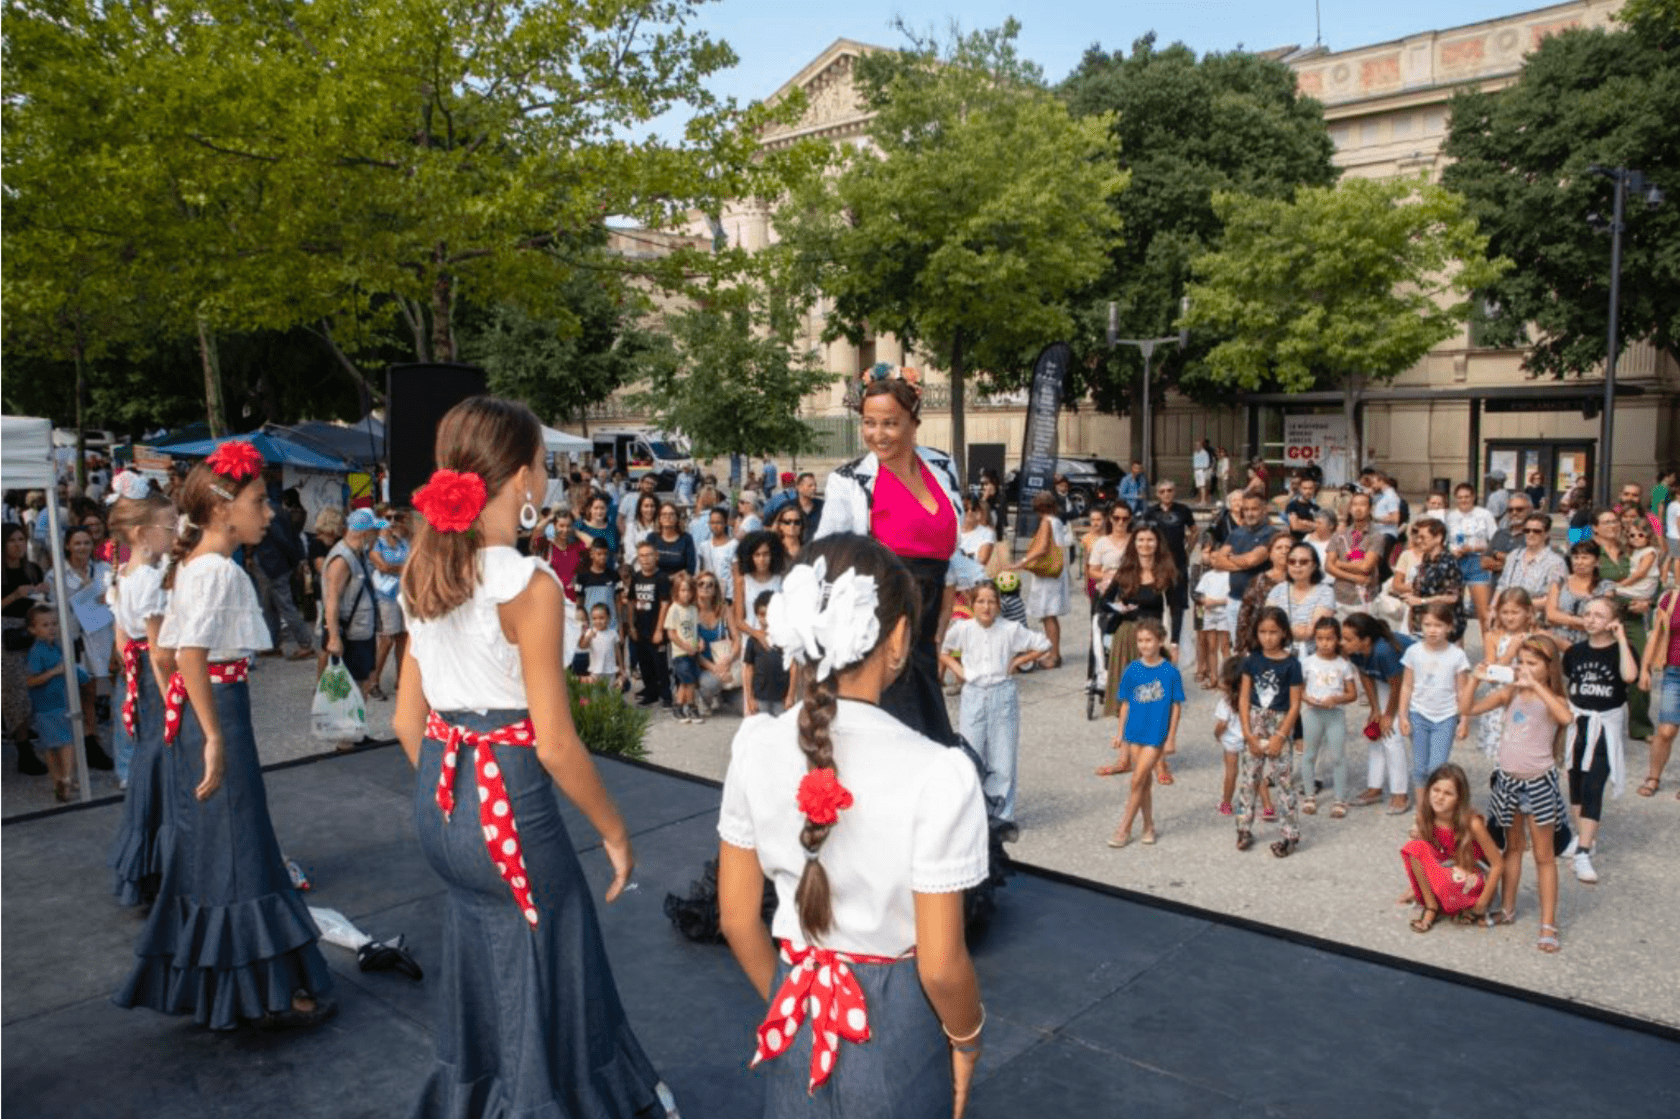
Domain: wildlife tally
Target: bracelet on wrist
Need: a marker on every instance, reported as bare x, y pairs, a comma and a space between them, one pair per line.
971, 1038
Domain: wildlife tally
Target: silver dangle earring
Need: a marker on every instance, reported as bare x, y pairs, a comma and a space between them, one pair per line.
527, 514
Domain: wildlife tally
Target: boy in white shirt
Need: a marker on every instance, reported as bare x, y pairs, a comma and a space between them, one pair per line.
983, 653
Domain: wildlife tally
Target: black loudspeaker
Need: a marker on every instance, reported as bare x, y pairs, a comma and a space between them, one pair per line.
416, 397
985, 456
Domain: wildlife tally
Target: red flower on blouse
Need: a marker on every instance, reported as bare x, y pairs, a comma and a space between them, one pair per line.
452, 500
822, 797
236, 459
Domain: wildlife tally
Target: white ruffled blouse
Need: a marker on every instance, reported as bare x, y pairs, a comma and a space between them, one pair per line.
135, 597
466, 662
917, 823
213, 606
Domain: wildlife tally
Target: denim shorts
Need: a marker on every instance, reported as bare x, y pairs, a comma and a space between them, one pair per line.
1669, 689
1470, 566
685, 670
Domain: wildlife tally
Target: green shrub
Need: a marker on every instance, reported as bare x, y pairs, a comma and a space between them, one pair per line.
607, 722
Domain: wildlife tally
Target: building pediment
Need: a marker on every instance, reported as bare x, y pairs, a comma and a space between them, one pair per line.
834, 109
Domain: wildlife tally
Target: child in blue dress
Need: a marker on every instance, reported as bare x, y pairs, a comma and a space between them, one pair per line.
1151, 695
54, 735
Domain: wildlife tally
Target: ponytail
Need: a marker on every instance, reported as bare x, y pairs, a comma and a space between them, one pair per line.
812, 899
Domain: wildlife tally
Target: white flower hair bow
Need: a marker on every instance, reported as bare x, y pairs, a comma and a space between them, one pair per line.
831, 625
129, 484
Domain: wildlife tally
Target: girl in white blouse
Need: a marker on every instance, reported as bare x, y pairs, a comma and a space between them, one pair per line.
224, 885
868, 874
482, 713
143, 520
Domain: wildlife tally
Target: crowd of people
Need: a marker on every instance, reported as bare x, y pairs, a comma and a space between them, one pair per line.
829, 618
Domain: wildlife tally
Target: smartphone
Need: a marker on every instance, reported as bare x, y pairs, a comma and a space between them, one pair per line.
1501, 674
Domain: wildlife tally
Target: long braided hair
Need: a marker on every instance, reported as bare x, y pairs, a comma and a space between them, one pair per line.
897, 599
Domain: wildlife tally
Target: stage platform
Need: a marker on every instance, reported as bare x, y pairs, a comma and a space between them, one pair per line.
1099, 1004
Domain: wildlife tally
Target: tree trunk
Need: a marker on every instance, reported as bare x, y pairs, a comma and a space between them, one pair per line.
959, 429
212, 383
443, 336
1350, 415
81, 412
364, 389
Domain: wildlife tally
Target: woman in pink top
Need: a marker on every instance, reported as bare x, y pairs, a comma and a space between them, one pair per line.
906, 497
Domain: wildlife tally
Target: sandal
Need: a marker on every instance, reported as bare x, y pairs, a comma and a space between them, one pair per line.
1163, 777
1245, 840
1471, 917
1114, 770
1548, 940
1310, 806
1426, 920
1117, 840
1649, 787
1284, 847
1503, 917
1149, 838
1338, 811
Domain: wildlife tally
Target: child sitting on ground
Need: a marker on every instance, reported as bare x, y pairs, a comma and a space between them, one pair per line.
766, 682
984, 652
1151, 695
50, 704
1444, 857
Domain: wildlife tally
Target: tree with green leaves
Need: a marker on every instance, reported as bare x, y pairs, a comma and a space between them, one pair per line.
559, 366
361, 166
1184, 128
1523, 157
733, 375
1340, 287
978, 207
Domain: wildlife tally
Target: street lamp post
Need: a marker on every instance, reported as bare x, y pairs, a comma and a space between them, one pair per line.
1146, 347
1622, 181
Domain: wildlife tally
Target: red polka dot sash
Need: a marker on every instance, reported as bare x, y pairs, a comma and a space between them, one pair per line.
175, 698
131, 684
495, 811
822, 985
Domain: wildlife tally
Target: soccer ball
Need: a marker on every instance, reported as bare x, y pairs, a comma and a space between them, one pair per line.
1007, 582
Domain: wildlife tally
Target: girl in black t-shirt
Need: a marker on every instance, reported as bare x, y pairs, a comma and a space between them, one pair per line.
1597, 672
1269, 705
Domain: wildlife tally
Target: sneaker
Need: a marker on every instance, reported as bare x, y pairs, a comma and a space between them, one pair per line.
1570, 852
695, 714
1584, 871
679, 714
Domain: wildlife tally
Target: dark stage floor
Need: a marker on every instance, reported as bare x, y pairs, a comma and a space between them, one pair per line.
1098, 1005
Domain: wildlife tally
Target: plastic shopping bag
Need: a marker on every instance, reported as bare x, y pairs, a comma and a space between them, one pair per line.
338, 714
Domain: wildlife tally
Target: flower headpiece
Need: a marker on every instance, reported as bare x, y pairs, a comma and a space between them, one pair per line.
831, 625
452, 500
130, 484
236, 459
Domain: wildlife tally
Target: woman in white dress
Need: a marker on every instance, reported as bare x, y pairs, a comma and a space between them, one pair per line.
1047, 597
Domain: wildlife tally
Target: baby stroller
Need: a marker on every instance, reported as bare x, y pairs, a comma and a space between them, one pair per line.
1105, 620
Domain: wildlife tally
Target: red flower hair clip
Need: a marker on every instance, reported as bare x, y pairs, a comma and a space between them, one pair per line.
822, 797
236, 459
452, 500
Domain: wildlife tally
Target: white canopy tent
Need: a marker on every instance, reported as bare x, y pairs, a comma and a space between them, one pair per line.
562, 443
26, 462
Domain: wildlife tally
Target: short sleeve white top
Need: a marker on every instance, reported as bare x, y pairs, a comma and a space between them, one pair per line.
987, 650
1435, 679
135, 597
1476, 528
1326, 679
213, 606
466, 662
1231, 739
917, 823
970, 542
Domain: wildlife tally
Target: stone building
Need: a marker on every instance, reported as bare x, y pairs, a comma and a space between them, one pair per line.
1461, 411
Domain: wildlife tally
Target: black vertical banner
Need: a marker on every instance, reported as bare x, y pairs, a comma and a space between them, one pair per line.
1038, 449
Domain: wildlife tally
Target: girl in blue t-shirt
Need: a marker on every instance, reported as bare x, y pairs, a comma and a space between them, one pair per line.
1269, 706
1151, 695
1375, 651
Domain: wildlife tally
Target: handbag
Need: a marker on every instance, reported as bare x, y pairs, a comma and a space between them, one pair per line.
1049, 565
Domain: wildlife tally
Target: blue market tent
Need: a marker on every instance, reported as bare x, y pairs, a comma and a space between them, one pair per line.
275, 449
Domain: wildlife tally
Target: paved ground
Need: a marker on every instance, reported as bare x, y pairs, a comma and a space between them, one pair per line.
1341, 885
1092, 999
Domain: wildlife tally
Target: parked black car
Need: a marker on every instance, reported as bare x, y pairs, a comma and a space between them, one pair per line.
1092, 482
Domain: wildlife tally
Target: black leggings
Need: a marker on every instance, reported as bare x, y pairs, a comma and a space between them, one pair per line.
1586, 789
